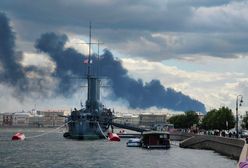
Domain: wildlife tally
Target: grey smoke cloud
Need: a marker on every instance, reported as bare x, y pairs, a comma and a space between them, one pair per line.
206, 27
36, 81
13, 73
138, 94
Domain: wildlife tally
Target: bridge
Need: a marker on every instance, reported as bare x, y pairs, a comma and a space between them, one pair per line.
129, 127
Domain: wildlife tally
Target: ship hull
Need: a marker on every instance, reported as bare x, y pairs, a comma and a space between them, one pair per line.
83, 137
85, 130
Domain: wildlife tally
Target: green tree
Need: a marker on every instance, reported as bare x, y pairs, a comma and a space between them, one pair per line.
178, 121
221, 119
226, 118
191, 119
208, 121
184, 120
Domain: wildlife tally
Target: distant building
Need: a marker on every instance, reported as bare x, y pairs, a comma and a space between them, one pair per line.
200, 116
7, 119
152, 119
51, 118
127, 119
36, 120
1, 119
20, 119
174, 114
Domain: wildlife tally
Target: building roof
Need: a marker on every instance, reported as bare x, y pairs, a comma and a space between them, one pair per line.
21, 114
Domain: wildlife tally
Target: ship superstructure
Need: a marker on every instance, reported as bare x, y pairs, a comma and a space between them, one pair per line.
92, 121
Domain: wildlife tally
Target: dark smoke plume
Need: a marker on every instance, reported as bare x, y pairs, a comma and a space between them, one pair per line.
139, 95
68, 61
12, 72
69, 64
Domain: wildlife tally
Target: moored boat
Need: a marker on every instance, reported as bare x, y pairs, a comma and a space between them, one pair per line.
134, 142
155, 139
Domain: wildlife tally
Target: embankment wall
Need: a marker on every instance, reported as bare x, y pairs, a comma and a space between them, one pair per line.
227, 146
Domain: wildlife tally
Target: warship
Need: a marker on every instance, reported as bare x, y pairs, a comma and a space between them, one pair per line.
93, 120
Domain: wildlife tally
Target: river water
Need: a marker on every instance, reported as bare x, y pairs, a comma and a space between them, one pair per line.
53, 151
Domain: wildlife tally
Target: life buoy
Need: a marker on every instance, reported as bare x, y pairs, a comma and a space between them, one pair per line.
113, 137
18, 136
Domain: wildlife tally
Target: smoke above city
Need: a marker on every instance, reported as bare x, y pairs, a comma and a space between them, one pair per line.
65, 80
25, 80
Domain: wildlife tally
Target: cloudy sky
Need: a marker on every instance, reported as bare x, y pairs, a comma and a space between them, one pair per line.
198, 47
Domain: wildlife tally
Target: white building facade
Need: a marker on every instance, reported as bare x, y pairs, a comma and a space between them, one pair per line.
21, 119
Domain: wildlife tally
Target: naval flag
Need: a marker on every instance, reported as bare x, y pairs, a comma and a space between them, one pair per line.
86, 61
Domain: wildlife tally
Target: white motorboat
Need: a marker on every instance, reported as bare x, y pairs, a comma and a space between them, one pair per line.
134, 142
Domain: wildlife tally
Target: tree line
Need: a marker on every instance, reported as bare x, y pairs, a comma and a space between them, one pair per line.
221, 119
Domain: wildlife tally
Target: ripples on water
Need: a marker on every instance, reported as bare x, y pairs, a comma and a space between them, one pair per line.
53, 151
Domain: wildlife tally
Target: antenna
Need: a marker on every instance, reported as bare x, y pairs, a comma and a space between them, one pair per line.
89, 51
91, 71
98, 57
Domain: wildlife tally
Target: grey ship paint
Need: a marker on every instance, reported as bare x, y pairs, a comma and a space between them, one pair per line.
93, 121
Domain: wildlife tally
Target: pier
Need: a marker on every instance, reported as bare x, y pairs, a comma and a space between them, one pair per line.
129, 135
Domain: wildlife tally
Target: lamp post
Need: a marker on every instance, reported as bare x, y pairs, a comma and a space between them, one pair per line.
238, 103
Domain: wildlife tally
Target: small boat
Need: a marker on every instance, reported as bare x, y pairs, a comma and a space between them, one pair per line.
18, 136
155, 139
134, 142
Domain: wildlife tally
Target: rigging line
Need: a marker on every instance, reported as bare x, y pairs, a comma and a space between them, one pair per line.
101, 131
35, 136
98, 60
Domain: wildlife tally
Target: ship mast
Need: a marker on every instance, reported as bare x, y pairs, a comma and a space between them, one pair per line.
93, 99
89, 59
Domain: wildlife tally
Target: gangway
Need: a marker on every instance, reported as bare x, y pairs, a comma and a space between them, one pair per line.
129, 127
